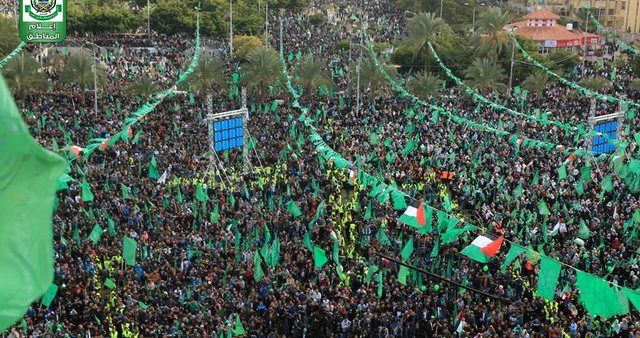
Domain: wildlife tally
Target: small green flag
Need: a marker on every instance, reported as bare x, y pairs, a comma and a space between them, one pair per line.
125, 191
293, 209
96, 233
200, 195
48, 296
142, 305
542, 208
153, 168
562, 172
319, 257
238, 329
109, 283
129, 247
407, 250
87, 195
258, 274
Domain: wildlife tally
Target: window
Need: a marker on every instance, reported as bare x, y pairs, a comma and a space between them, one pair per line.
623, 5
612, 11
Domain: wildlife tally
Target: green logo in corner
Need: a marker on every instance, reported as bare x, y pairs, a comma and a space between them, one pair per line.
43, 20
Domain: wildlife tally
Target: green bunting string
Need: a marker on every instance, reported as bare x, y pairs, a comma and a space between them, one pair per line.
13, 53
613, 37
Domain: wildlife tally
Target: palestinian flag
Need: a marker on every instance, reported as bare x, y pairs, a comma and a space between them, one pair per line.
413, 216
482, 248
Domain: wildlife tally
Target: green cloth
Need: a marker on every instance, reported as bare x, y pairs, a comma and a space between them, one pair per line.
399, 202
367, 212
542, 208
370, 272
319, 257
258, 274
238, 328
403, 272
293, 209
142, 305
96, 233
87, 195
49, 295
407, 250
109, 283
28, 175
200, 194
562, 172
513, 253
548, 277
129, 247
125, 191
633, 296
598, 297
153, 168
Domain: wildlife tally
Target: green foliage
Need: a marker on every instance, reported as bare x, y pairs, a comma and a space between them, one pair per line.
245, 44
311, 74
109, 16
425, 85
172, 16
317, 19
635, 84
208, 74
247, 18
486, 75
491, 39
262, 69
8, 35
536, 82
595, 83
343, 44
23, 74
421, 29
457, 13
564, 60
78, 69
372, 80
380, 47
143, 87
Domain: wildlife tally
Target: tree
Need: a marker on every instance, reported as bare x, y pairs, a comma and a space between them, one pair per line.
486, 75
23, 74
425, 85
371, 79
491, 39
564, 60
78, 69
208, 74
536, 82
143, 87
8, 35
312, 74
635, 84
262, 69
595, 83
422, 29
245, 44
172, 17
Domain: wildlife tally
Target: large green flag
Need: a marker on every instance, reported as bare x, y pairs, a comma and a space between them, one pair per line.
598, 297
513, 253
407, 250
96, 233
28, 175
548, 277
319, 257
129, 247
200, 194
153, 168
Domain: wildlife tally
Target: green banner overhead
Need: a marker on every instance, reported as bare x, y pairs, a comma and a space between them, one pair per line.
43, 20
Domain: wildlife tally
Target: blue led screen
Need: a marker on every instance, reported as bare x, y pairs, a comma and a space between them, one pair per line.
601, 144
228, 134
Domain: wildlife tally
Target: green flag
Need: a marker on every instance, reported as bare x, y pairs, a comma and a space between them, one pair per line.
238, 329
200, 195
583, 230
548, 277
48, 296
96, 233
542, 208
125, 191
607, 183
109, 283
87, 195
129, 247
142, 305
403, 272
28, 175
153, 168
258, 274
293, 209
367, 213
407, 250
112, 227
634, 297
319, 257
562, 172
513, 253
599, 297
370, 272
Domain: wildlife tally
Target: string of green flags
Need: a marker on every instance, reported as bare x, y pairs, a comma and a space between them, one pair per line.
11, 55
613, 37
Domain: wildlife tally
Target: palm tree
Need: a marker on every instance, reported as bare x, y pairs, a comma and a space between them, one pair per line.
635, 84
536, 82
8, 35
23, 74
595, 83
262, 69
491, 39
78, 69
311, 74
371, 79
208, 74
421, 29
486, 75
144, 87
425, 85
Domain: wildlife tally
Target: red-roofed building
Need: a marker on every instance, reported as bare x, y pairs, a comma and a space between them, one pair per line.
542, 26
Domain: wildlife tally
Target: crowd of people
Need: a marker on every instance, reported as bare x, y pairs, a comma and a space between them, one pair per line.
196, 273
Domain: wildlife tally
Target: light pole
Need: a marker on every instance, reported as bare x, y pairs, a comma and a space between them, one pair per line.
586, 31
441, 7
231, 28
94, 69
149, 21
473, 24
513, 53
266, 22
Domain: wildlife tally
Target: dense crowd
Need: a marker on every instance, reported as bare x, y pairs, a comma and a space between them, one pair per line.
195, 273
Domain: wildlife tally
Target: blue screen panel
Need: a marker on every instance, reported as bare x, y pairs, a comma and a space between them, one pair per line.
601, 144
228, 134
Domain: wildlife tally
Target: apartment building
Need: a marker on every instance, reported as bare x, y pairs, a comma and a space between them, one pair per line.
621, 15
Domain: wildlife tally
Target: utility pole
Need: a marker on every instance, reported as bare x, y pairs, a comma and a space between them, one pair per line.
358, 71
266, 22
281, 30
441, 7
586, 31
94, 68
473, 25
149, 22
231, 28
513, 53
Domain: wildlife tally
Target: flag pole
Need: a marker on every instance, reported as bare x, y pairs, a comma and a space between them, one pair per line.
504, 300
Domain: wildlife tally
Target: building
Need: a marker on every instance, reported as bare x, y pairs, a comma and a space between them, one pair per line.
542, 27
621, 15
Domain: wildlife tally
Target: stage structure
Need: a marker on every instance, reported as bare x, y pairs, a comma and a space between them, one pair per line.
609, 128
228, 130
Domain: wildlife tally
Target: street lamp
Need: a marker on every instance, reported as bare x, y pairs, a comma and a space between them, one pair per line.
94, 69
473, 25
231, 28
513, 52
